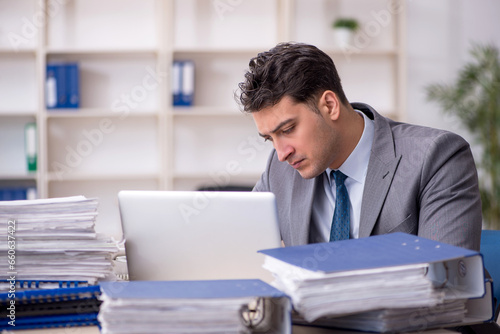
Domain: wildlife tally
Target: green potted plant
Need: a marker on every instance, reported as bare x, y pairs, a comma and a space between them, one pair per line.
475, 99
344, 28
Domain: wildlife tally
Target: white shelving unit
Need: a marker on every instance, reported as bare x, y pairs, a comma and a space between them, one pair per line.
126, 134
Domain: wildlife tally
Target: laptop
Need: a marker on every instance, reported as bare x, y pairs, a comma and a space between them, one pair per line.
198, 235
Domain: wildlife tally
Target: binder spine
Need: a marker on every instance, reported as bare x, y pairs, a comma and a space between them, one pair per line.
62, 86
183, 82
31, 146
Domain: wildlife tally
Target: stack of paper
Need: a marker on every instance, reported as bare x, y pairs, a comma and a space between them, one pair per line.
53, 239
373, 283
220, 306
393, 320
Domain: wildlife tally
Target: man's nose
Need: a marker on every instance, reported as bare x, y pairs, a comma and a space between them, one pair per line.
283, 149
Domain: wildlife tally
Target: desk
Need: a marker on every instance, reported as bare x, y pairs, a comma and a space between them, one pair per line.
295, 330
312, 330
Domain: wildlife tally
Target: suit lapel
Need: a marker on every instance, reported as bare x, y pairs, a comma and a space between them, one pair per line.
381, 169
300, 212
377, 184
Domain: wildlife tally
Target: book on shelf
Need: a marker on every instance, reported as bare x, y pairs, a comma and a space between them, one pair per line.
380, 280
203, 306
17, 193
62, 86
183, 82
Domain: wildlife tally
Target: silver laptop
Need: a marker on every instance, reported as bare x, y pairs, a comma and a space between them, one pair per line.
194, 235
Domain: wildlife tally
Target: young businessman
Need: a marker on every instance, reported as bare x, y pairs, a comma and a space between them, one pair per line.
398, 177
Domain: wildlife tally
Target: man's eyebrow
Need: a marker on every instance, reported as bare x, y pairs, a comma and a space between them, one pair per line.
276, 129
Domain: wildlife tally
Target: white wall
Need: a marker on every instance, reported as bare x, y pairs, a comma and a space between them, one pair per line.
439, 36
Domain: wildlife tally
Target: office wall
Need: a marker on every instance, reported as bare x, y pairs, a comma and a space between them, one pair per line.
439, 36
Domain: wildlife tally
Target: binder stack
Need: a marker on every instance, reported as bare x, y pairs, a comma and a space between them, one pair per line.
383, 283
53, 260
54, 239
48, 304
219, 306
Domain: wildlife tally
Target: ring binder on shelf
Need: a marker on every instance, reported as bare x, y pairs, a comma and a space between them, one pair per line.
183, 82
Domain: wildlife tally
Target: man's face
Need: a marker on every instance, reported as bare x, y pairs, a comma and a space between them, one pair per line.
308, 141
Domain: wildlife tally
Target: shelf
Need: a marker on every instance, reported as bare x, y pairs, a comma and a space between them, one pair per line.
217, 77
312, 20
54, 177
203, 24
20, 113
203, 176
19, 177
20, 52
206, 111
16, 25
98, 113
97, 146
12, 146
121, 52
127, 133
194, 182
126, 83
109, 24
254, 51
361, 52
224, 51
18, 82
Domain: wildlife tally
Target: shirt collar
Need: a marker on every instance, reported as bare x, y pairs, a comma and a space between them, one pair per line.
356, 163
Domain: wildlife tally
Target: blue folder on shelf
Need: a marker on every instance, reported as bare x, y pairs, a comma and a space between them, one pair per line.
183, 82
62, 86
15, 193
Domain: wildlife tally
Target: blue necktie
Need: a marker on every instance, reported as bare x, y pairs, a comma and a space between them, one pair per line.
340, 222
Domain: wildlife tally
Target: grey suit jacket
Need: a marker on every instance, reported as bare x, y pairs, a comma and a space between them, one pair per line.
420, 180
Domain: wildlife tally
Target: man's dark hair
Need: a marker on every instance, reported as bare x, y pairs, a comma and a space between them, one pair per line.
300, 71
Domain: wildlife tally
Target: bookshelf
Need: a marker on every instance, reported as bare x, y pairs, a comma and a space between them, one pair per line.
126, 134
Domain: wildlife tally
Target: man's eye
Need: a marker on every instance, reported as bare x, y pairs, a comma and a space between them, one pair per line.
288, 130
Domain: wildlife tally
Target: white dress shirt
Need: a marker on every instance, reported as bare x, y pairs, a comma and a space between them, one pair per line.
354, 168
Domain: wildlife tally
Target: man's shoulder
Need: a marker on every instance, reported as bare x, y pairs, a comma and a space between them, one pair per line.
422, 135
402, 130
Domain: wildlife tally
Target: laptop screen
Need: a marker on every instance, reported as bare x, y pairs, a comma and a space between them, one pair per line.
193, 235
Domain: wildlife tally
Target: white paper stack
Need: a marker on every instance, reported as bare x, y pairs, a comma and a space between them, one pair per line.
392, 320
54, 239
317, 294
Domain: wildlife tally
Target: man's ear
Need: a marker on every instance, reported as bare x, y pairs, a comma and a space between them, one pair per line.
330, 104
